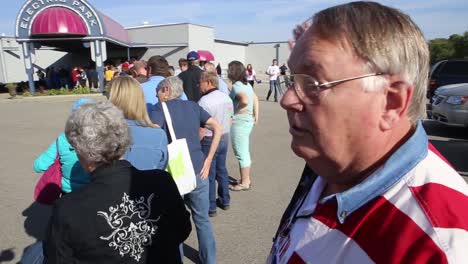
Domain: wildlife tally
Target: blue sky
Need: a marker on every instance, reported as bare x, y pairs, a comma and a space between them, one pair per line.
257, 20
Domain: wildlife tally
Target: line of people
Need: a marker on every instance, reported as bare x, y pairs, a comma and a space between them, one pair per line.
108, 149
373, 190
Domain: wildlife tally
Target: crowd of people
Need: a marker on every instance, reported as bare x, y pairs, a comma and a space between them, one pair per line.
204, 111
87, 76
374, 190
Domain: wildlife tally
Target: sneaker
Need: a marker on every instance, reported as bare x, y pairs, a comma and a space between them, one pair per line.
212, 214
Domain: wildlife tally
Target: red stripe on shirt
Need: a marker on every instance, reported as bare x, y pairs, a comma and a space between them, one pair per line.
295, 259
445, 207
438, 154
386, 234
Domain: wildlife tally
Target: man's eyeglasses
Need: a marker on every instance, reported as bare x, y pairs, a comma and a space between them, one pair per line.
308, 88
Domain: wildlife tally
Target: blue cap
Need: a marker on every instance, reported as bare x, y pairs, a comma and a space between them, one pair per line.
193, 55
80, 102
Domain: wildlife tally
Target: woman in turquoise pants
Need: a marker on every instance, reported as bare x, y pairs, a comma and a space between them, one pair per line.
245, 116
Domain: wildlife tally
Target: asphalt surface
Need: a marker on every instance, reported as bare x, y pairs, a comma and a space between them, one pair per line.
243, 234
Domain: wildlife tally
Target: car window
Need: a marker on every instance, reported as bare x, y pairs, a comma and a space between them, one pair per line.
437, 67
455, 67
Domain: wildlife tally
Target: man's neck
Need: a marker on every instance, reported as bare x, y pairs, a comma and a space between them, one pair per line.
368, 159
210, 90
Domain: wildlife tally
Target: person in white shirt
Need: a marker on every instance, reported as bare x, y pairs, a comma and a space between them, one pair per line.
273, 71
251, 76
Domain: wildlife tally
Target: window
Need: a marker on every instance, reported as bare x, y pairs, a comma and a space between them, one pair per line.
455, 68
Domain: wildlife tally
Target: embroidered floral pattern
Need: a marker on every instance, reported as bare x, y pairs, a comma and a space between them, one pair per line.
132, 228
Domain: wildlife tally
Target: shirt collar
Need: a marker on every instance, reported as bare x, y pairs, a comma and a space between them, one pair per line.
210, 91
155, 78
104, 172
133, 123
404, 159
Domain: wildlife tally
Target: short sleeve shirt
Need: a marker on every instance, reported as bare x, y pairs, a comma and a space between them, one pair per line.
246, 89
219, 106
275, 70
187, 119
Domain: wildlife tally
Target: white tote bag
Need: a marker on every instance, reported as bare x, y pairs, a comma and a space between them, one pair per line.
180, 164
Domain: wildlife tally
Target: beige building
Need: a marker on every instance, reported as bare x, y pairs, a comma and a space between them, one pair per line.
92, 38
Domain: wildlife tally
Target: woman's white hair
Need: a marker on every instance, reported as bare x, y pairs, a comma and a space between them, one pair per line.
175, 84
98, 132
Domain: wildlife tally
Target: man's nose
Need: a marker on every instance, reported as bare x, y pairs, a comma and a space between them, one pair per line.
290, 101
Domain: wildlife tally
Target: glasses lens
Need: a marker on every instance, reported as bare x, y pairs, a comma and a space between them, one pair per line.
305, 87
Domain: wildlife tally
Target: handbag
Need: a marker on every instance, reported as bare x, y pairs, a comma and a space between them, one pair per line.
180, 163
49, 186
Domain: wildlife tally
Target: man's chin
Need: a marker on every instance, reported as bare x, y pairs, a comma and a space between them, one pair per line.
303, 151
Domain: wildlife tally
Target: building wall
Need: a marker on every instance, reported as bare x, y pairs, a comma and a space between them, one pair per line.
260, 55
3, 77
172, 54
164, 34
196, 37
225, 53
13, 57
200, 38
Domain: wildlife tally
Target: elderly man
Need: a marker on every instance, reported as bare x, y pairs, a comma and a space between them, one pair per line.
219, 105
140, 69
222, 86
374, 189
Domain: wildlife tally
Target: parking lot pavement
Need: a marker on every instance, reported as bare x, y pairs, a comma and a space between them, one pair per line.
452, 142
243, 234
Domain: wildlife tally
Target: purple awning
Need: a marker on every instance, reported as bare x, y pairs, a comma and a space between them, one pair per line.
58, 21
205, 55
114, 30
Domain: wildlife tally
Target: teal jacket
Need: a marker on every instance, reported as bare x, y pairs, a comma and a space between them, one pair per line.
73, 175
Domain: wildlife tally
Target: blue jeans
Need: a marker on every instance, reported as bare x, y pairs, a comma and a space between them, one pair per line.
33, 254
198, 203
273, 86
218, 171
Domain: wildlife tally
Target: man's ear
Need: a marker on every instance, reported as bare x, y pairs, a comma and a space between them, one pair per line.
148, 70
398, 96
166, 90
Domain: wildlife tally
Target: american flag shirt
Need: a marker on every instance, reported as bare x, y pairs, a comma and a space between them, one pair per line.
413, 209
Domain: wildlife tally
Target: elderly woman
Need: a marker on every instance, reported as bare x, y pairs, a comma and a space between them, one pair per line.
123, 215
149, 142
187, 119
245, 116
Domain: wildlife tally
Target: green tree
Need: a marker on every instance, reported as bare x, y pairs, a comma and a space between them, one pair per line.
455, 47
460, 45
441, 49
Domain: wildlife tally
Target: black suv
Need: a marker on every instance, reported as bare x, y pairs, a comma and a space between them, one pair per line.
447, 72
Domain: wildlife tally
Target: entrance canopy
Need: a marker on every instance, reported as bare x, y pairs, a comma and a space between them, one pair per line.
57, 21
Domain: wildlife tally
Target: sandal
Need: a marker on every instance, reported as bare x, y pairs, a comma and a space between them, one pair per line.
240, 187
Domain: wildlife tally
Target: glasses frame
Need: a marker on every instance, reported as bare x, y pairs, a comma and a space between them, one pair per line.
318, 86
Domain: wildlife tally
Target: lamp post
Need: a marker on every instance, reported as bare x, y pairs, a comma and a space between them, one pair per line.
277, 51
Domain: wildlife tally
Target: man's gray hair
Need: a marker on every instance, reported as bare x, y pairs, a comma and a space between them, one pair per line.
98, 132
387, 39
176, 85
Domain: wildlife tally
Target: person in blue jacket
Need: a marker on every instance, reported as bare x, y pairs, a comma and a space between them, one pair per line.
73, 175
148, 149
